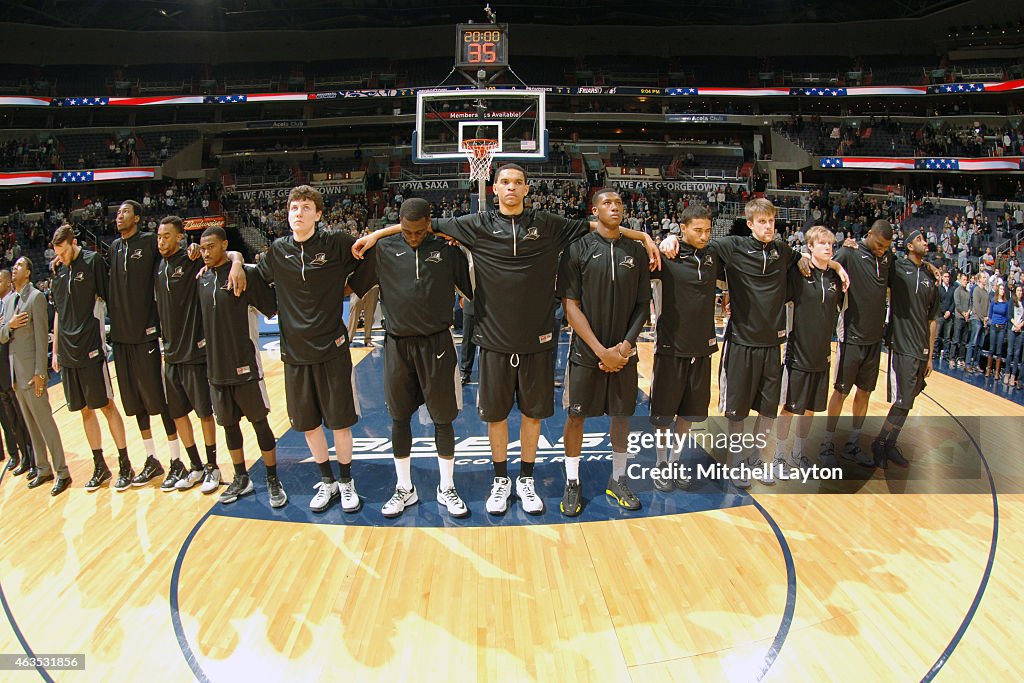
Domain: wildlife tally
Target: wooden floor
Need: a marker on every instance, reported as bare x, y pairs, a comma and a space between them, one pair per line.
879, 584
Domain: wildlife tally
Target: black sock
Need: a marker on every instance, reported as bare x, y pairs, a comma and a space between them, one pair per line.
239, 468
501, 469
526, 469
345, 469
193, 457
325, 470
211, 455
122, 458
271, 471
97, 457
893, 435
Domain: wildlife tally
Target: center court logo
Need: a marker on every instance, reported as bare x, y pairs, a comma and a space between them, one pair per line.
476, 450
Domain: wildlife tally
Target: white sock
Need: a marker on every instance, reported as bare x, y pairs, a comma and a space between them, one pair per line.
676, 450
854, 436
175, 448
618, 465
572, 469
150, 447
798, 445
403, 466
830, 437
663, 455
446, 466
780, 448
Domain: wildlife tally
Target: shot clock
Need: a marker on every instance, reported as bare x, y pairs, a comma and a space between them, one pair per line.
481, 45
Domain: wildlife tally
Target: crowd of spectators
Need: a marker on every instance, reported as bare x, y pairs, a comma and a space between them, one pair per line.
29, 154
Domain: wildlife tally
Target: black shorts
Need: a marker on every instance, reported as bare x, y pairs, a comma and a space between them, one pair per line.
681, 386
232, 402
906, 379
857, 366
803, 391
590, 392
321, 394
188, 389
528, 380
139, 378
88, 386
750, 379
420, 370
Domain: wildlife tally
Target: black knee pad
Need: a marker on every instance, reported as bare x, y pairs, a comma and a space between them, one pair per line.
897, 416
143, 422
264, 435
169, 427
233, 437
444, 438
401, 438
662, 421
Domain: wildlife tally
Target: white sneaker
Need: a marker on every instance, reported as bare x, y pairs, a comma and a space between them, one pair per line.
450, 499
780, 467
853, 452
527, 493
827, 457
350, 501
765, 470
211, 480
741, 482
191, 478
497, 502
326, 493
799, 460
397, 503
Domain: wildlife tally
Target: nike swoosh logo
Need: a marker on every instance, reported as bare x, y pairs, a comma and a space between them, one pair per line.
289, 255
441, 354
401, 253
496, 232
151, 351
863, 256
752, 252
595, 256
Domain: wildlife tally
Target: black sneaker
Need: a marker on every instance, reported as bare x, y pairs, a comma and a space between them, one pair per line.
660, 477
240, 486
124, 478
150, 471
879, 451
682, 482
572, 501
894, 454
100, 474
620, 492
278, 497
175, 472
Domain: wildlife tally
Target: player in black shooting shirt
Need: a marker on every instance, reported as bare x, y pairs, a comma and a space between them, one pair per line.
914, 304
418, 274
605, 286
80, 280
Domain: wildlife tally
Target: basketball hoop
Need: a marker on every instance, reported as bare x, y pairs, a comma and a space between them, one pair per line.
480, 152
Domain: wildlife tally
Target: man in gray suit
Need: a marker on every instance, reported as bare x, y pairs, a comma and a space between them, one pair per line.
14, 429
25, 329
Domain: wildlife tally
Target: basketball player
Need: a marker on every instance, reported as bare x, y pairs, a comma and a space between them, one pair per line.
756, 268
14, 428
309, 269
235, 371
805, 375
681, 383
79, 354
860, 338
915, 303
515, 254
186, 383
418, 274
605, 287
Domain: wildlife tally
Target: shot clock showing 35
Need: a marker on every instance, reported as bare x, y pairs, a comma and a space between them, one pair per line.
483, 45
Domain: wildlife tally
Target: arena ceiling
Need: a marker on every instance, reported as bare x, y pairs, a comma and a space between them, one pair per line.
250, 15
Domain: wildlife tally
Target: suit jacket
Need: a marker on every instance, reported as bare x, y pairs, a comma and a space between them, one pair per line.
5, 359
28, 344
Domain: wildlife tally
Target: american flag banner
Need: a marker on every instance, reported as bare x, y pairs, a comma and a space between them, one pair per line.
818, 92
79, 101
101, 174
956, 88
155, 100
24, 101
923, 163
27, 178
868, 163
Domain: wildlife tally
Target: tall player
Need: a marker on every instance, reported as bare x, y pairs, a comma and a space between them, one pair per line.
418, 275
860, 334
186, 382
681, 382
309, 269
79, 354
515, 255
605, 287
915, 303
816, 301
236, 374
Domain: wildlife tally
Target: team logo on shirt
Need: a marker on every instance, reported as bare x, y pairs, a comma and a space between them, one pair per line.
709, 260
319, 260
773, 255
832, 287
627, 262
435, 257
532, 234
79, 277
178, 272
137, 254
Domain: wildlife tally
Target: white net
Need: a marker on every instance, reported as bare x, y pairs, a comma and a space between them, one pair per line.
479, 152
